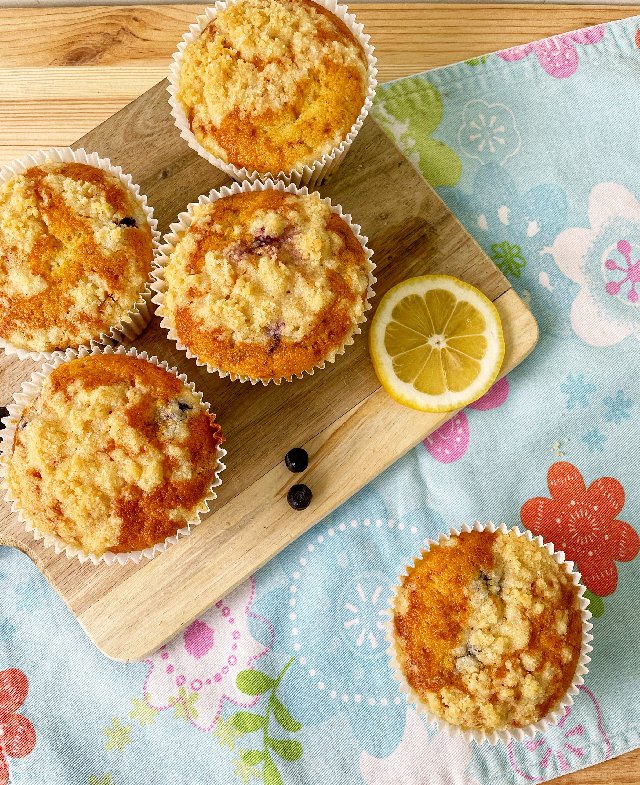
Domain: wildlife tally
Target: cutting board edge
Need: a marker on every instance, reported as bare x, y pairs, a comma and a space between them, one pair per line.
93, 618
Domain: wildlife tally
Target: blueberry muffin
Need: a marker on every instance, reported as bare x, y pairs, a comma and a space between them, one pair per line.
487, 630
75, 255
272, 85
265, 284
115, 454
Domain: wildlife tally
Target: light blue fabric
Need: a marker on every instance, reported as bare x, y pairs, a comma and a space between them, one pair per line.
553, 195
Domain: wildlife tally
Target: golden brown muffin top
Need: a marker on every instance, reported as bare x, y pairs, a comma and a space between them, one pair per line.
265, 284
488, 630
272, 85
115, 454
75, 254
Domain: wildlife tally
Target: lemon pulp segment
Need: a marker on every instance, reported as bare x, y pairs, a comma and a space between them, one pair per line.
436, 343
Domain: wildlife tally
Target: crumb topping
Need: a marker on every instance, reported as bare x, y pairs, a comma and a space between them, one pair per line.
265, 283
273, 84
75, 253
488, 630
115, 454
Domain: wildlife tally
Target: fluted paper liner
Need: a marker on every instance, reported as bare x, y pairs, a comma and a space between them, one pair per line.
502, 734
310, 175
30, 391
138, 317
177, 229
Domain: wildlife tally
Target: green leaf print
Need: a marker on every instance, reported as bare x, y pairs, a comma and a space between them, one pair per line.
246, 771
271, 774
287, 749
410, 111
253, 757
508, 258
254, 682
247, 722
596, 604
477, 60
281, 713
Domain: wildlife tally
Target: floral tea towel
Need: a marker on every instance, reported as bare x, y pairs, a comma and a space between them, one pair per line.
536, 150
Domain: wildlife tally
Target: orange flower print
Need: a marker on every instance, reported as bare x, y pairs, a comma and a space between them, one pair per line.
583, 523
638, 39
17, 736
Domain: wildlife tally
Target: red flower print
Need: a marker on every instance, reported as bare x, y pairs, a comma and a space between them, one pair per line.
17, 736
583, 523
638, 39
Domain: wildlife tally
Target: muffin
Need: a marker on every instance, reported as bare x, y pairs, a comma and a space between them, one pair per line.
114, 454
264, 284
76, 251
271, 86
487, 630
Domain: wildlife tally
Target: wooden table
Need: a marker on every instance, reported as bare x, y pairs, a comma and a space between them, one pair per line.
64, 70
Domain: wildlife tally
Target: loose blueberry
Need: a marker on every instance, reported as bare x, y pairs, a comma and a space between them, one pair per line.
296, 460
127, 221
3, 413
299, 496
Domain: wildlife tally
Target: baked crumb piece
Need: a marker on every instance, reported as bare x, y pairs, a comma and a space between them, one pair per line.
488, 630
265, 284
75, 254
272, 85
115, 454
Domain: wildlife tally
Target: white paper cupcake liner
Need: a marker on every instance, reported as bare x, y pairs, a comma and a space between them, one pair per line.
503, 734
177, 229
136, 319
30, 391
309, 175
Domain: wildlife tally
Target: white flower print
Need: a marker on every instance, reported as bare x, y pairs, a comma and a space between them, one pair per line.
363, 607
420, 759
488, 132
196, 672
604, 260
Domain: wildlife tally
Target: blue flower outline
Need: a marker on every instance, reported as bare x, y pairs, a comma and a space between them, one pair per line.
323, 569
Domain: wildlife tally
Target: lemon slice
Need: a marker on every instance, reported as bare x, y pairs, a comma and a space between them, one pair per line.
436, 343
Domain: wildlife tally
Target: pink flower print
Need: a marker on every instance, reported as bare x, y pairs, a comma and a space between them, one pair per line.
631, 272
604, 260
557, 55
562, 748
450, 441
198, 639
196, 672
494, 397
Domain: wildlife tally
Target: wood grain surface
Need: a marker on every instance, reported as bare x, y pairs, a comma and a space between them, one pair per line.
64, 70
350, 427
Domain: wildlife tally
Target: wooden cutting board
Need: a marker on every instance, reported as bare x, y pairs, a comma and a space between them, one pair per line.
350, 427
